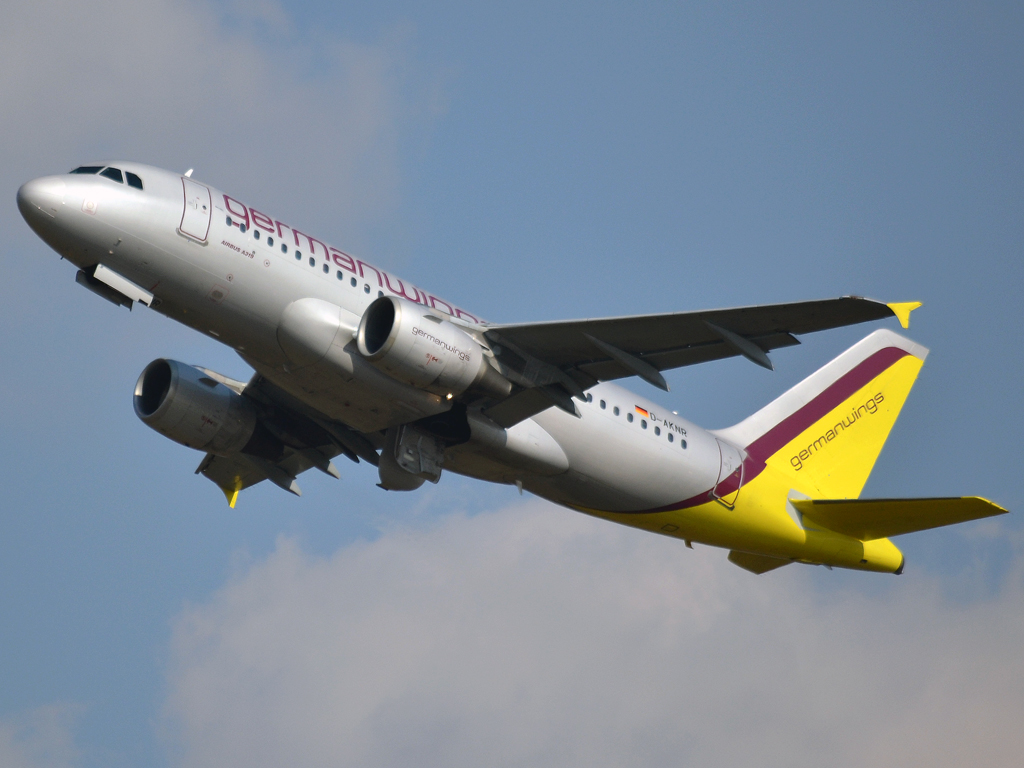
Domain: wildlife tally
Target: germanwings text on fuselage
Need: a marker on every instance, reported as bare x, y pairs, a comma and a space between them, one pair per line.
244, 217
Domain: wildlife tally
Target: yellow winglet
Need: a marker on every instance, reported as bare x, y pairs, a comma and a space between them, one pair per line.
231, 493
902, 311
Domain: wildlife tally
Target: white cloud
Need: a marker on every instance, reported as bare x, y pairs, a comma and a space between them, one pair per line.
537, 636
39, 739
304, 124
299, 119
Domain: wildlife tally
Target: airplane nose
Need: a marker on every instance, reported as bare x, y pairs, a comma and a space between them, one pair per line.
40, 199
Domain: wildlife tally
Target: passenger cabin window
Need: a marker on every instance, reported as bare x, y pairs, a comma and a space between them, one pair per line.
270, 242
256, 234
88, 169
133, 180
284, 248
629, 417
353, 281
326, 269
312, 261
114, 174
615, 410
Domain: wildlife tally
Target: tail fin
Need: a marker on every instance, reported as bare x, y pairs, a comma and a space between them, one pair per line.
827, 431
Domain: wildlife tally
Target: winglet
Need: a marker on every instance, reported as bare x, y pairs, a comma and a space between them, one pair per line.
902, 311
231, 493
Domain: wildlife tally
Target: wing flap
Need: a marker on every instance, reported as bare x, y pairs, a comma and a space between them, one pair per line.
867, 519
236, 473
231, 475
679, 335
680, 357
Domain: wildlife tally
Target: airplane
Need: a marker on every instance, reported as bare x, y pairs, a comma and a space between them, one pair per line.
351, 360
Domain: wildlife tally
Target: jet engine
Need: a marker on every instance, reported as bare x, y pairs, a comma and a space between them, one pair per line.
414, 346
186, 405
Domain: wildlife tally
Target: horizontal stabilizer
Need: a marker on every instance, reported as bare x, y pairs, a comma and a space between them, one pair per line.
867, 519
756, 563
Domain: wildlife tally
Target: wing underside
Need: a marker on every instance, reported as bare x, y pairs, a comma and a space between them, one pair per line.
293, 440
552, 362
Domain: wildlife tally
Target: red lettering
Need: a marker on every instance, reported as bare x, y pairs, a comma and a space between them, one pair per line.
244, 213
434, 301
261, 220
311, 240
401, 289
343, 260
252, 217
363, 274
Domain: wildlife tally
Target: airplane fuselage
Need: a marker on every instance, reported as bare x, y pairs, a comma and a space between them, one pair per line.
253, 282
234, 285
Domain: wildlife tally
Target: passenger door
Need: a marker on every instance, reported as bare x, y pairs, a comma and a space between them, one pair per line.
195, 219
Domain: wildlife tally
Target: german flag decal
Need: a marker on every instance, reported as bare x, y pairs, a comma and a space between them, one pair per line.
642, 411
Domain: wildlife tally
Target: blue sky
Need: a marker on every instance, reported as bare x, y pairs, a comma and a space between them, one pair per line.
528, 162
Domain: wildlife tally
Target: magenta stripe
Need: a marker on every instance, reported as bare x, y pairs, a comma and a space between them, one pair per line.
761, 449
787, 429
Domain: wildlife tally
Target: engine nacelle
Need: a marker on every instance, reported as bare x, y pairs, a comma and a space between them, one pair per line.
412, 345
186, 405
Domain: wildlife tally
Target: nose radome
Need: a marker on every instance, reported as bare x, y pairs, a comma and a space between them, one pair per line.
40, 199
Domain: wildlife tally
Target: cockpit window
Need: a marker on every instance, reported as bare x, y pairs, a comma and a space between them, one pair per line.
113, 174
133, 180
90, 169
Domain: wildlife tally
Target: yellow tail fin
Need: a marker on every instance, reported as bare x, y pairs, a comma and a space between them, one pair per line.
825, 433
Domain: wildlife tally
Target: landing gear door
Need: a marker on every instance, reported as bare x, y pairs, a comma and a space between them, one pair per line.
730, 474
195, 219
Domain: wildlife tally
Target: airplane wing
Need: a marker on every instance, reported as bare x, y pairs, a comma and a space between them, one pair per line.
309, 441
553, 361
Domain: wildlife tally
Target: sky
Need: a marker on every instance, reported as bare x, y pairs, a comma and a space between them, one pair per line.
529, 162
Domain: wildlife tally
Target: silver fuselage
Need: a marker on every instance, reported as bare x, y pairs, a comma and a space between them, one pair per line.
235, 283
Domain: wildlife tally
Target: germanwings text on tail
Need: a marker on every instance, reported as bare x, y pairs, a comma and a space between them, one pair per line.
349, 360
